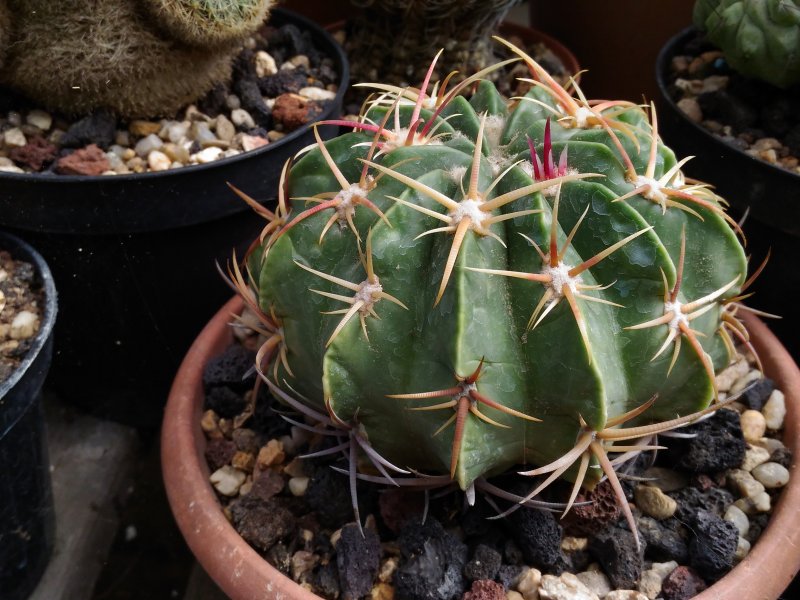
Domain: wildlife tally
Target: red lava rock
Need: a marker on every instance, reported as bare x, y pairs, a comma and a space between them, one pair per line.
293, 111
219, 452
267, 484
681, 584
37, 153
484, 589
90, 160
602, 511
703, 482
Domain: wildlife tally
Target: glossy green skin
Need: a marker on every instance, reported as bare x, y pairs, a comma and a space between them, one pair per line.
547, 372
760, 39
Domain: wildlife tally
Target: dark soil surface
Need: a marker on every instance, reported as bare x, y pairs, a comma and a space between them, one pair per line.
753, 116
20, 311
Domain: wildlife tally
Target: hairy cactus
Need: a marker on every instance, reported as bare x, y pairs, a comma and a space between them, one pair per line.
139, 58
457, 287
759, 39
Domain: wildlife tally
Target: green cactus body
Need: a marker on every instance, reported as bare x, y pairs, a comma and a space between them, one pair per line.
579, 366
759, 39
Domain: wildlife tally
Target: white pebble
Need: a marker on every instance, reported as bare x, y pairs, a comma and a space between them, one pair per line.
315, 93
242, 119
726, 378
207, 155
225, 129
565, 587
39, 118
743, 483
14, 137
651, 580
251, 142
744, 381
736, 516
772, 475
298, 485
596, 581
232, 102
742, 549
265, 64
11, 169
158, 161
177, 131
626, 595
754, 425
775, 410
300, 60
760, 503
528, 584
24, 325
2, 301
227, 480
147, 144
754, 456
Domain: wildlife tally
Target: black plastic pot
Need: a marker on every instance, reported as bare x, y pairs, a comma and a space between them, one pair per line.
27, 517
134, 257
771, 194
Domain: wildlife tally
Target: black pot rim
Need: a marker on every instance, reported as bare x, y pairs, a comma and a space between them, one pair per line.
278, 14
21, 250
667, 52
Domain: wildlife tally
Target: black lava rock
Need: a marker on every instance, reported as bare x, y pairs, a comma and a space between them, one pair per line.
758, 523
224, 401
758, 393
219, 453
615, 549
718, 445
99, 128
508, 575
229, 369
244, 66
284, 81
326, 581
358, 558
692, 500
261, 522
328, 494
213, 103
280, 557
512, 555
485, 564
782, 456
431, 564
538, 535
712, 550
663, 544
777, 116
298, 42
253, 102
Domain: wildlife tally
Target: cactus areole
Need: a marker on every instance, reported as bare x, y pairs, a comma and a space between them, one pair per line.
456, 287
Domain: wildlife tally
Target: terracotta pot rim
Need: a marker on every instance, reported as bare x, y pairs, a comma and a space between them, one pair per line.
242, 574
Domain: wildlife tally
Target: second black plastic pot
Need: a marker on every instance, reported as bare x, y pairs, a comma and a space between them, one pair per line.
27, 516
771, 196
134, 258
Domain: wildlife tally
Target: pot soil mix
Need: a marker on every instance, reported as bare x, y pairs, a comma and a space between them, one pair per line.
21, 303
281, 81
699, 506
753, 116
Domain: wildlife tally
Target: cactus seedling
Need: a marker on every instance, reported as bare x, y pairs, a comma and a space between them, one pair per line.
532, 301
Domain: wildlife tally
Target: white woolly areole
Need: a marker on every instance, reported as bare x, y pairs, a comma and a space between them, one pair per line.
527, 168
677, 314
581, 117
493, 129
551, 191
368, 293
465, 389
560, 277
653, 189
345, 207
497, 159
469, 208
399, 139
457, 173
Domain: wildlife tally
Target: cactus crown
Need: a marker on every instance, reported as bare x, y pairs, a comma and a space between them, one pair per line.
759, 39
457, 287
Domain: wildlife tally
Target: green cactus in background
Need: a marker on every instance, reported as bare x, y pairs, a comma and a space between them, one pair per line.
759, 38
444, 295
139, 58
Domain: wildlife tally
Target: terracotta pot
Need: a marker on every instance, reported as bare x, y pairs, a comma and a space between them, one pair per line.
243, 575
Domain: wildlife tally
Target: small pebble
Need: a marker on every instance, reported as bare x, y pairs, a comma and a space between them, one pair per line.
24, 325
315, 93
596, 581
760, 503
735, 515
514, 595
754, 425
225, 129
265, 64
207, 155
227, 480
39, 118
158, 161
298, 485
14, 138
565, 587
691, 108
653, 578
271, 454
251, 142
742, 549
754, 456
730, 374
741, 383
528, 584
625, 595
382, 591
147, 144
771, 475
743, 483
242, 119
655, 503
11, 169
574, 544
775, 410
141, 128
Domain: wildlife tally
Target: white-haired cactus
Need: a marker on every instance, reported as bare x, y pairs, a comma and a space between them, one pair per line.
449, 299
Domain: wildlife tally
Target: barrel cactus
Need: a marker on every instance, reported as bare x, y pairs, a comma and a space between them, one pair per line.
456, 287
759, 39
139, 58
